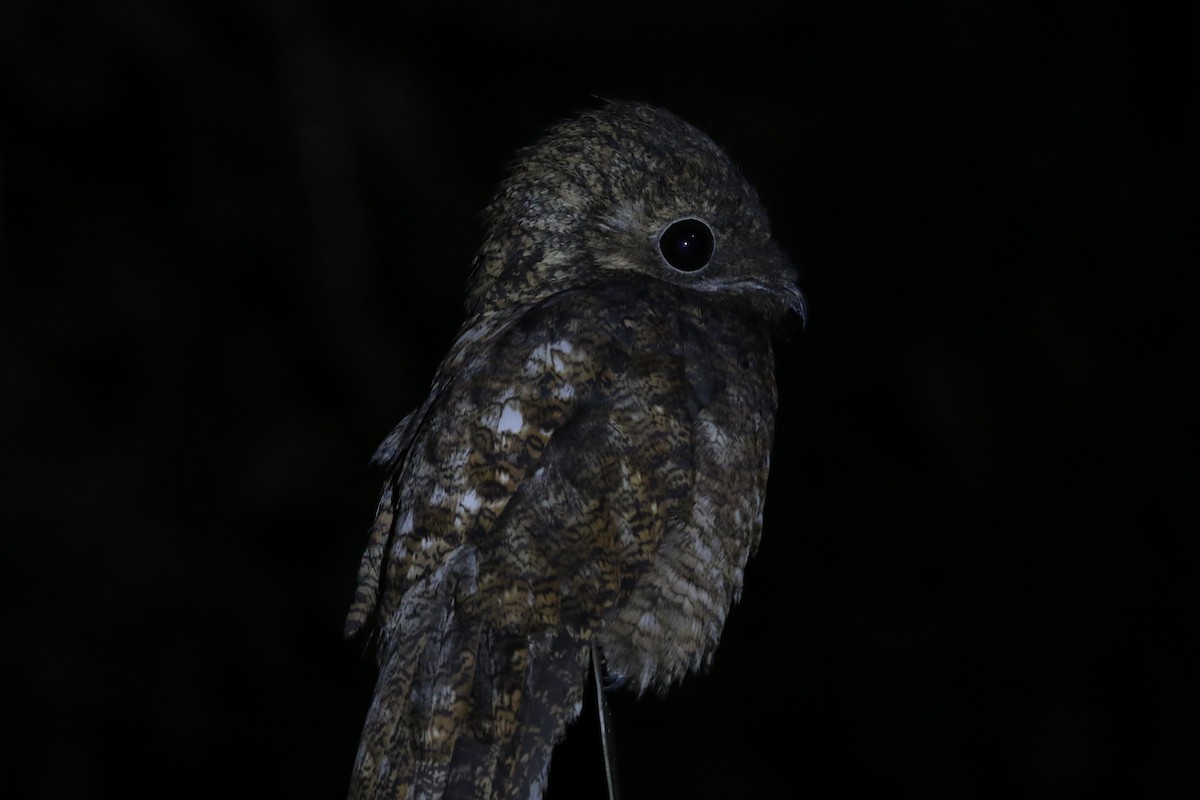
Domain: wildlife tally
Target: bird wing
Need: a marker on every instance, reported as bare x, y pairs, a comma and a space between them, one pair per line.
526, 496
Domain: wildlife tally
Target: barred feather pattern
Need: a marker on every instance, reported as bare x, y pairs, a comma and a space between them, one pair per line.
590, 463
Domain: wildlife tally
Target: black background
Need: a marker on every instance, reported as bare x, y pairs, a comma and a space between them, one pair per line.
234, 245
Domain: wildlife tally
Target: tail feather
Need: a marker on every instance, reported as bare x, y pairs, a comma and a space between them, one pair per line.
465, 711
383, 766
552, 700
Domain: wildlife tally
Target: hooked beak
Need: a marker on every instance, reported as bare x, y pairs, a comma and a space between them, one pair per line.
796, 304
787, 291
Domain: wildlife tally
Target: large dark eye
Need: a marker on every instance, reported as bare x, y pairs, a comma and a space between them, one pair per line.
687, 245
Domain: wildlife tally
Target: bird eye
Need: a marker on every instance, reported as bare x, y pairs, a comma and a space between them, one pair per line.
687, 245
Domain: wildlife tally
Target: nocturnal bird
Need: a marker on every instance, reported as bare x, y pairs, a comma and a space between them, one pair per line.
590, 464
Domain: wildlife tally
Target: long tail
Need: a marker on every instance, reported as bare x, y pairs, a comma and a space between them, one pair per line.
463, 711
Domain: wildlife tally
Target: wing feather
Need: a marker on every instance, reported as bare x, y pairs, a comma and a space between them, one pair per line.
525, 500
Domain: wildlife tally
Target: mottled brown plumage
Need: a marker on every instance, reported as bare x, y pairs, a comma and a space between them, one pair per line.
590, 463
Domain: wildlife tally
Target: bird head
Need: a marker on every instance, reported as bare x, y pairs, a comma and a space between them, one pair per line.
630, 189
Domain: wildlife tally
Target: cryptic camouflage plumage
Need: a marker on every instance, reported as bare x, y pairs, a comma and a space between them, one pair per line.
590, 463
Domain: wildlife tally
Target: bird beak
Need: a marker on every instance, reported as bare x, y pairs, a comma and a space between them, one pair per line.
796, 304
788, 292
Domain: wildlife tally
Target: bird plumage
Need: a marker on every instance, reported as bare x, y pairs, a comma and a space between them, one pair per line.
590, 463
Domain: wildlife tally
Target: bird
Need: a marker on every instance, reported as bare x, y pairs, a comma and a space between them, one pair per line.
589, 467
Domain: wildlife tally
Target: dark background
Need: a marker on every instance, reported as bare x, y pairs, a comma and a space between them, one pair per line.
234, 247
